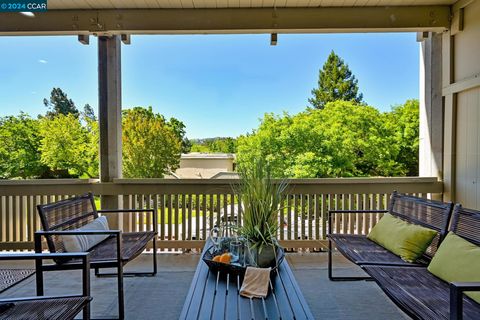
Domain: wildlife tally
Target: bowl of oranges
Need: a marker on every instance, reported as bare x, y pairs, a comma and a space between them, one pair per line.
219, 258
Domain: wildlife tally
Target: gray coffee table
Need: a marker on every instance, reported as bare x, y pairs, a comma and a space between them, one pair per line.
216, 296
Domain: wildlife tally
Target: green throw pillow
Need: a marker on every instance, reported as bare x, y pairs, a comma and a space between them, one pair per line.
457, 260
409, 241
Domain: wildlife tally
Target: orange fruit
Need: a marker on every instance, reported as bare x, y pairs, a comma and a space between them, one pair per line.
217, 258
225, 258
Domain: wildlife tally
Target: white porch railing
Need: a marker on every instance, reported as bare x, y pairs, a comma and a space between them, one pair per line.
188, 208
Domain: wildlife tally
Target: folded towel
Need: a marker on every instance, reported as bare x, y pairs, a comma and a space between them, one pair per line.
255, 283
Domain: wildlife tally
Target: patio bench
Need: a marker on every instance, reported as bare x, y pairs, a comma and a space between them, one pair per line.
65, 217
362, 251
58, 307
424, 296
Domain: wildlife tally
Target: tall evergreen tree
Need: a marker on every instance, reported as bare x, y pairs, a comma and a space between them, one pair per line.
59, 104
335, 82
89, 113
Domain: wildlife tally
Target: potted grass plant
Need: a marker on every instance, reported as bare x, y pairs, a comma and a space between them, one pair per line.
262, 201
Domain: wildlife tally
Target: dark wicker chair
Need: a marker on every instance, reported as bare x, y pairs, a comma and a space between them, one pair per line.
51, 307
422, 295
61, 217
362, 251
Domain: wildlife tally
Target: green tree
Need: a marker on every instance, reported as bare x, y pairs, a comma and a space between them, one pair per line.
65, 145
178, 128
88, 112
59, 103
151, 148
93, 145
342, 140
404, 122
335, 82
19, 151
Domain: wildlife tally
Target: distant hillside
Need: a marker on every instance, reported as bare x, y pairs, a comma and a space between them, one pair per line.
213, 145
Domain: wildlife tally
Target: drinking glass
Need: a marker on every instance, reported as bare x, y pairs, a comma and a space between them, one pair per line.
236, 248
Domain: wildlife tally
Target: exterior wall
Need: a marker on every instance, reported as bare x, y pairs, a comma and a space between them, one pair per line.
207, 163
468, 148
462, 107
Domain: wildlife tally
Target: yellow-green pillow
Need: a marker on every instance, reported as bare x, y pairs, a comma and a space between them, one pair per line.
457, 260
409, 241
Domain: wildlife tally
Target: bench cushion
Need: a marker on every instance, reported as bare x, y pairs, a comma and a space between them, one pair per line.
457, 260
359, 249
418, 292
407, 240
82, 242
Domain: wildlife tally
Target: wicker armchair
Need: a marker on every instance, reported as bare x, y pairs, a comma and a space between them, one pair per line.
362, 251
51, 307
63, 217
422, 295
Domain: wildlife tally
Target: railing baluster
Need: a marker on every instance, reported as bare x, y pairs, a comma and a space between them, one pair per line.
161, 205
141, 215
310, 217
324, 216
351, 217
16, 218
30, 217
204, 215
289, 218
22, 219
176, 206
184, 220
211, 210
189, 217
155, 207
197, 216
233, 217
295, 214
302, 216
318, 216
170, 216
8, 222
149, 216
225, 211
240, 210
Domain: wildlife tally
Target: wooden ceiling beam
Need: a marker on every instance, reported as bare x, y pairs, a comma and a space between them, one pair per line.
249, 20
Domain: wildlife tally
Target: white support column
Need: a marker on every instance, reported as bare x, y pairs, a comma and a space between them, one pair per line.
110, 117
431, 108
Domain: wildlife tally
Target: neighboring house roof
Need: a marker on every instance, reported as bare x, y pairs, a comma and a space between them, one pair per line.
225, 175
197, 173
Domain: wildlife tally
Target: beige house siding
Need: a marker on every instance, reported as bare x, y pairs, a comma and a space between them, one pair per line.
466, 106
226, 164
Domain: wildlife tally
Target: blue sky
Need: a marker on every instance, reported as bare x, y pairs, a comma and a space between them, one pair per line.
218, 85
